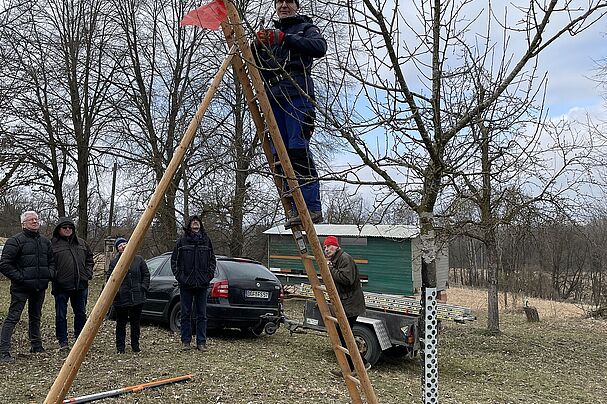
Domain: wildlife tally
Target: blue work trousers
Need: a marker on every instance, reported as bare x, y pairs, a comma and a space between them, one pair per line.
295, 119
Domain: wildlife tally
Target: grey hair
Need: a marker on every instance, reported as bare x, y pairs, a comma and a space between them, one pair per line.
27, 213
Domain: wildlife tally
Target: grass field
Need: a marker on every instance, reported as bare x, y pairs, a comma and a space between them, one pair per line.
562, 359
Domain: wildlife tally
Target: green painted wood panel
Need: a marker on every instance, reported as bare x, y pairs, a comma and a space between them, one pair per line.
389, 266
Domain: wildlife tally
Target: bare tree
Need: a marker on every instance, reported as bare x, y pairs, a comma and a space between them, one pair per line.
164, 71
417, 76
57, 62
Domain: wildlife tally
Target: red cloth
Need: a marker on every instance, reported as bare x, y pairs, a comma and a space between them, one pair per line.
210, 16
331, 240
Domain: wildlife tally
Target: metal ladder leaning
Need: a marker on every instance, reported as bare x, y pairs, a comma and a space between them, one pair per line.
263, 118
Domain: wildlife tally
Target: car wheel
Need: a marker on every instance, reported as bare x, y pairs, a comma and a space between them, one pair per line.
175, 318
367, 342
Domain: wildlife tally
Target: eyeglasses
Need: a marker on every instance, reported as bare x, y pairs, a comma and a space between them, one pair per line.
67, 227
285, 1
31, 219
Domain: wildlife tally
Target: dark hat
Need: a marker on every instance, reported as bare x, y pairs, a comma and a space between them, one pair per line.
331, 240
63, 221
119, 240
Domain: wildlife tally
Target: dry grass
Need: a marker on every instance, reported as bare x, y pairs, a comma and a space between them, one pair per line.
477, 300
562, 359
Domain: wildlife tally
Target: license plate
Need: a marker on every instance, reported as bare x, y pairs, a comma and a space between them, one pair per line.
257, 294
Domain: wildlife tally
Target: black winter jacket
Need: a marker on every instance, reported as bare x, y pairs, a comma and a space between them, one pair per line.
27, 260
347, 281
193, 260
302, 43
73, 260
134, 287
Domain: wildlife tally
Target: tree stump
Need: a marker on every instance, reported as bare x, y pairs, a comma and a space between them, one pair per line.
532, 314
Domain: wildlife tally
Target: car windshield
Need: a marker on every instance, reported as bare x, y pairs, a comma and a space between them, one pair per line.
155, 263
246, 270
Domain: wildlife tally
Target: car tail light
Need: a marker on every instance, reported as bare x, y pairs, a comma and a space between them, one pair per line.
220, 289
281, 295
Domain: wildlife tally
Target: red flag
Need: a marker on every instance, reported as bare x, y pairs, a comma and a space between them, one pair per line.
210, 16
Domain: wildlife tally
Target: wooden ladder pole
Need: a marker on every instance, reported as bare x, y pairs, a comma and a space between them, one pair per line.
82, 345
264, 105
239, 69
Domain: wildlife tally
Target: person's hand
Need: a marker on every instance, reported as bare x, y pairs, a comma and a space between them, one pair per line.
270, 36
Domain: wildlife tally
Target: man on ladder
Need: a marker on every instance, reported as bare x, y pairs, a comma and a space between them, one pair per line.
285, 55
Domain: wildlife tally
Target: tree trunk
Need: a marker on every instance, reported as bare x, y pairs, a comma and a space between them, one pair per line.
83, 186
493, 320
428, 248
236, 242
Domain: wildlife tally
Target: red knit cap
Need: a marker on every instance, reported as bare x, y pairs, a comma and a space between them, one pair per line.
331, 240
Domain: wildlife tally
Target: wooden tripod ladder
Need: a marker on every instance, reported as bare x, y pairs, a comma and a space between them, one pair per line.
265, 123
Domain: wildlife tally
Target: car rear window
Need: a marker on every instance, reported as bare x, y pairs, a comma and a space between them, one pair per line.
245, 270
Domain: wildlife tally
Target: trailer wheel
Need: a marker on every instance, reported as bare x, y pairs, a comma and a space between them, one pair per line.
367, 342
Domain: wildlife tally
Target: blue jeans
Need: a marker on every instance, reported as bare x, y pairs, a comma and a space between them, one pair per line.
77, 300
196, 297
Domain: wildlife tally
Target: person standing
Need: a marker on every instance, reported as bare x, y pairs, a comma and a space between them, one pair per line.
285, 55
74, 269
193, 264
27, 260
347, 281
130, 298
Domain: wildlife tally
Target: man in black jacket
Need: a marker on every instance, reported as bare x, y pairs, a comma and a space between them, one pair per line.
74, 268
193, 264
285, 55
27, 260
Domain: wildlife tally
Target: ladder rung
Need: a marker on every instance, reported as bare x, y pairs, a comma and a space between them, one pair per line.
354, 379
310, 257
322, 288
341, 348
331, 318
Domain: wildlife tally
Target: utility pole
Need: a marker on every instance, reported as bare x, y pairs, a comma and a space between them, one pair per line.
113, 195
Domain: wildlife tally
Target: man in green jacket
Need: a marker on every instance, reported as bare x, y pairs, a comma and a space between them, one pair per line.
74, 266
347, 281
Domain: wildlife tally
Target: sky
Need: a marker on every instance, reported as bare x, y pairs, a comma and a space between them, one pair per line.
570, 64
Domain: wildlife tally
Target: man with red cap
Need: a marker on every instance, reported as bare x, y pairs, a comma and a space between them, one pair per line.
347, 281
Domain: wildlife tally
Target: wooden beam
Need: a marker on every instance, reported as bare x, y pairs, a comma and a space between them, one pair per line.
74, 360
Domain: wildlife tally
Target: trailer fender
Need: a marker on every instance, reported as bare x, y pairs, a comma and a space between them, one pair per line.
380, 331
